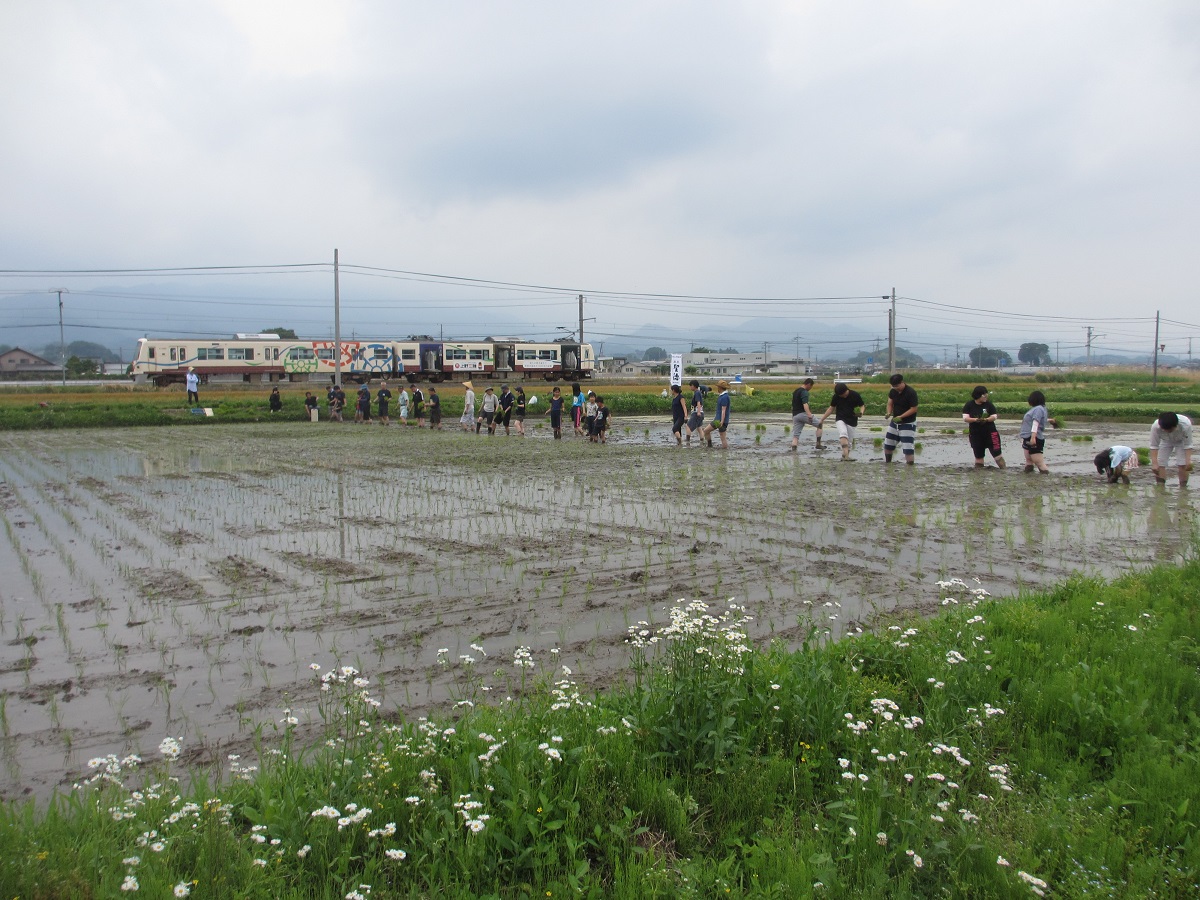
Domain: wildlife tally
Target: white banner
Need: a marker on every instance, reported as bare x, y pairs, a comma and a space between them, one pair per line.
536, 364
677, 369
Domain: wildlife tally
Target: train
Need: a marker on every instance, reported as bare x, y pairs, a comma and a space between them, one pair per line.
268, 357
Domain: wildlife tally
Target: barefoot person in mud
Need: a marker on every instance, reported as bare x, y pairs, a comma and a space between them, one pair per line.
845, 407
601, 421
1171, 438
467, 419
504, 416
1115, 462
802, 414
435, 410
720, 422
980, 415
1033, 433
418, 406
519, 404
678, 413
383, 397
487, 411
403, 400
555, 412
902, 421
696, 418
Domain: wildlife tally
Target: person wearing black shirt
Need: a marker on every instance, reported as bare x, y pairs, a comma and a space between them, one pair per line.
980, 415
902, 420
846, 406
801, 414
678, 413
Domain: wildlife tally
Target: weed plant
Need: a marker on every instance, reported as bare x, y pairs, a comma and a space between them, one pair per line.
1047, 745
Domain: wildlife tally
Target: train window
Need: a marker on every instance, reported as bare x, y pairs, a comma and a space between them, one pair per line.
172, 354
547, 354
326, 353
382, 353
210, 353
301, 353
408, 354
182, 354
455, 353
526, 354
240, 353
152, 353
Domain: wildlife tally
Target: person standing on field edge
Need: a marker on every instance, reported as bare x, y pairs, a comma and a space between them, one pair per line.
310, 405
678, 413
980, 415
845, 406
801, 414
193, 386
1171, 434
275, 402
902, 420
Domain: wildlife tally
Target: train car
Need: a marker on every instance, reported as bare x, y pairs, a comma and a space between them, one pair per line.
267, 357
258, 357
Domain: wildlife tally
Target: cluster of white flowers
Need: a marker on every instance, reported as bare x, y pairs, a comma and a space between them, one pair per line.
523, 658
466, 806
1000, 774
1035, 884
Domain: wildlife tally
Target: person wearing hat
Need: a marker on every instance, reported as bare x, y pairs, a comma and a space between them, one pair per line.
487, 411
980, 415
801, 413
720, 422
468, 414
193, 386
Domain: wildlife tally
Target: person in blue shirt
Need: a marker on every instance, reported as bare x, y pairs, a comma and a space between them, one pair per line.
720, 422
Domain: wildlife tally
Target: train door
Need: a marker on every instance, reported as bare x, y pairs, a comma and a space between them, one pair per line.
570, 358
431, 361
504, 358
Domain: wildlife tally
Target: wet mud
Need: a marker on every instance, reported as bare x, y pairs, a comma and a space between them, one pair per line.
179, 582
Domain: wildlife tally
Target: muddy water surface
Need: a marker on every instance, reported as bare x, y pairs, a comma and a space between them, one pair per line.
180, 581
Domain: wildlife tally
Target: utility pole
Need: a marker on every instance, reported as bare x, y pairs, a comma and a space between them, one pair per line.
1156, 315
892, 335
581, 329
1089, 347
337, 324
62, 343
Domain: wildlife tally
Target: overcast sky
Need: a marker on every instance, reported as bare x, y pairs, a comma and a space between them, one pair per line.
1028, 157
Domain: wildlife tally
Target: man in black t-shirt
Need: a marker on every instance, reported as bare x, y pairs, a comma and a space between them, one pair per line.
980, 415
846, 406
902, 420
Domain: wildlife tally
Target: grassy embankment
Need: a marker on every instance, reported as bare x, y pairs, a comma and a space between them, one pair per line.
1081, 396
1045, 744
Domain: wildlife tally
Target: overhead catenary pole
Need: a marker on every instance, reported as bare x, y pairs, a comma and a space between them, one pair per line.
581, 330
62, 342
892, 335
1156, 315
337, 324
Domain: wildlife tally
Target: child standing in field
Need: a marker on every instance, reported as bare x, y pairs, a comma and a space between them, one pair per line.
555, 413
678, 413
1115, 463
520, 411
589, 416
600, 421
1033, 431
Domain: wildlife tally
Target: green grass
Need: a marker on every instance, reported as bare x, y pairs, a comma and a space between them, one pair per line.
1053, 737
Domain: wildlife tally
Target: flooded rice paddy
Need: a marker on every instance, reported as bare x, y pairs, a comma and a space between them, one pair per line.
180, 581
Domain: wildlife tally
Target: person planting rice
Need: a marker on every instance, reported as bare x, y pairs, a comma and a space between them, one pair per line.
696, 419
382, 398
678, 413
845, 406
467, 419
902, 421
1115, 462
1033, 430
1171, 434
801, 413
435, 409
720, 422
